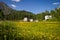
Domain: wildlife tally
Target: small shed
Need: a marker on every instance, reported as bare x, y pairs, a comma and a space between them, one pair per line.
25, 19
31, 20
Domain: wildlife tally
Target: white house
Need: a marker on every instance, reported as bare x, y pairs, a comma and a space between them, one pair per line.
48, 17
25, 19
31, 20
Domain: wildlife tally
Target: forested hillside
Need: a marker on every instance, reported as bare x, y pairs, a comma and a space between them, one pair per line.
7, 13
55, 14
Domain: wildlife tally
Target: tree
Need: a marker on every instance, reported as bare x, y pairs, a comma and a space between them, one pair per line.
1, 15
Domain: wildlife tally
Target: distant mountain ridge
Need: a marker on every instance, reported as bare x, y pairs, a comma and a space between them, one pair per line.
14, 14
5, 8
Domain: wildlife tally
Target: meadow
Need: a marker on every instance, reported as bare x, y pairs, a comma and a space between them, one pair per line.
15, 30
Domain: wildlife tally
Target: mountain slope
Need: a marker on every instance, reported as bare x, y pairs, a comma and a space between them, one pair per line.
11, 14
5, 8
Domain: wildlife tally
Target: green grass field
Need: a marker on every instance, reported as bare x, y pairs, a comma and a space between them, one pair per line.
45, 30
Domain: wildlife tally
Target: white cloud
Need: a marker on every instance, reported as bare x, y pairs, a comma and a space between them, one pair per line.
16, 0
55, 3
13, 5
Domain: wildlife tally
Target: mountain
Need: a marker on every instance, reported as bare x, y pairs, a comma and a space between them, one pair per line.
5, 8
10, 14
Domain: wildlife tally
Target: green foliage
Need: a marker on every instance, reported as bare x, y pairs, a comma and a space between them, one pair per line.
41, 16
54, 13
1, 15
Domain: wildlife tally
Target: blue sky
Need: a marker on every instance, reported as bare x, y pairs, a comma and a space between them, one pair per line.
35, 6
